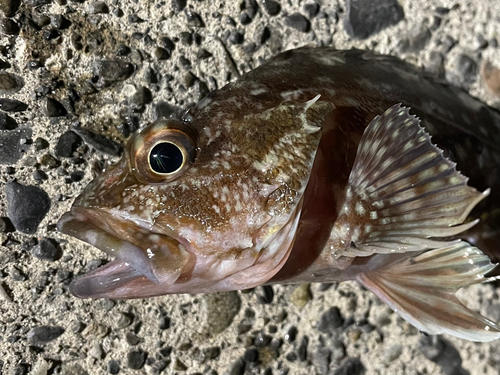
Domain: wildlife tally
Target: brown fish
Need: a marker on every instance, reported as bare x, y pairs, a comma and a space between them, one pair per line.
307, 169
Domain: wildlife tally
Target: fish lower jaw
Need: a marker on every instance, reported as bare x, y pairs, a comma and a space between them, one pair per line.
159, 258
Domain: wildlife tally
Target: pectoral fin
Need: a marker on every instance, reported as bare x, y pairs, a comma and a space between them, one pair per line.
422, 289
402, 193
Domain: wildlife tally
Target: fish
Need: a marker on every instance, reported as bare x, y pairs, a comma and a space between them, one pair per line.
320, 165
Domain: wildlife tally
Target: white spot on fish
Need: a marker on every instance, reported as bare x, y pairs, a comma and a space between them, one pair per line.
258, 91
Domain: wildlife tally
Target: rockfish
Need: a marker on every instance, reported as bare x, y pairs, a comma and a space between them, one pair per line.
313, 167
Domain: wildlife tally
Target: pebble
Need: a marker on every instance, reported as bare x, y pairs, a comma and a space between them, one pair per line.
302, 349
298, 22
17, 275
96, 351
203, 54
67, 144
161, 53
4, 224
436, 64
321, 360
367, 17
9, 7
291, 334
393, 352
262, 340
76, 176
236, 37
110, 71
132, 339
168, 44
41, 144
4, 64
53, 108
12, 105
338, 350
208, 354
179, 365
136, 359
73, 369
123, 320
113, 367
99, 141
466, 67
301, 295
95, 330
13, 145
262, 35
26, 206
442, 352
245, 19
47, 249
491, 76
265, 294
220, 310
178, 5
416, 40
49, 161
10, 83
141, 97
164, 322
238, 367
251, 355
44, 334
330, 321
350, 366
448, 43
193, 19
98, 7
311, 10
272, 7
9, 27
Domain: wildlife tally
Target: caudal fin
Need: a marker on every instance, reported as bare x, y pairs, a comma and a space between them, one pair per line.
422, 289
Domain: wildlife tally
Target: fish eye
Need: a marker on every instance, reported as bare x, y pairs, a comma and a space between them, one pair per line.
166, 158
162, 151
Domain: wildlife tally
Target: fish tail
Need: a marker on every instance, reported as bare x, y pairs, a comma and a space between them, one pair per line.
422, 289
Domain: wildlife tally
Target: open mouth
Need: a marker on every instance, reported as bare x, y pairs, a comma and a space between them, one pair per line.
139, 254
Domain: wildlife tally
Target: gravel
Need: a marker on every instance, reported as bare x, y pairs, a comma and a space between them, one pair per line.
26, 206
13, 144
298, 22
99, 142
12, 105
330, 321
10, 83
47, 249
367, 17
44, 334
467, 68
136, 359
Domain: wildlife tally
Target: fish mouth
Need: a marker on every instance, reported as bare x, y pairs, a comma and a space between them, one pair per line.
141, 255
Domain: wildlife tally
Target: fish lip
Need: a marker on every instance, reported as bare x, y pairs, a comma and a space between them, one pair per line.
93, 227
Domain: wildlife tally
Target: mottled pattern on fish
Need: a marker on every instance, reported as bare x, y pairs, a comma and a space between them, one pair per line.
307, 169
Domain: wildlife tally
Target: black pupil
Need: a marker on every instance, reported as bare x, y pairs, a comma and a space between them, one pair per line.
165, 158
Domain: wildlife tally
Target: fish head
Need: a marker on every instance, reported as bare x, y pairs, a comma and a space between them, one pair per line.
207, 203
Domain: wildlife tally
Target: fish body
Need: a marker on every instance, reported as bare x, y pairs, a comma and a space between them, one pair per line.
308, 169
